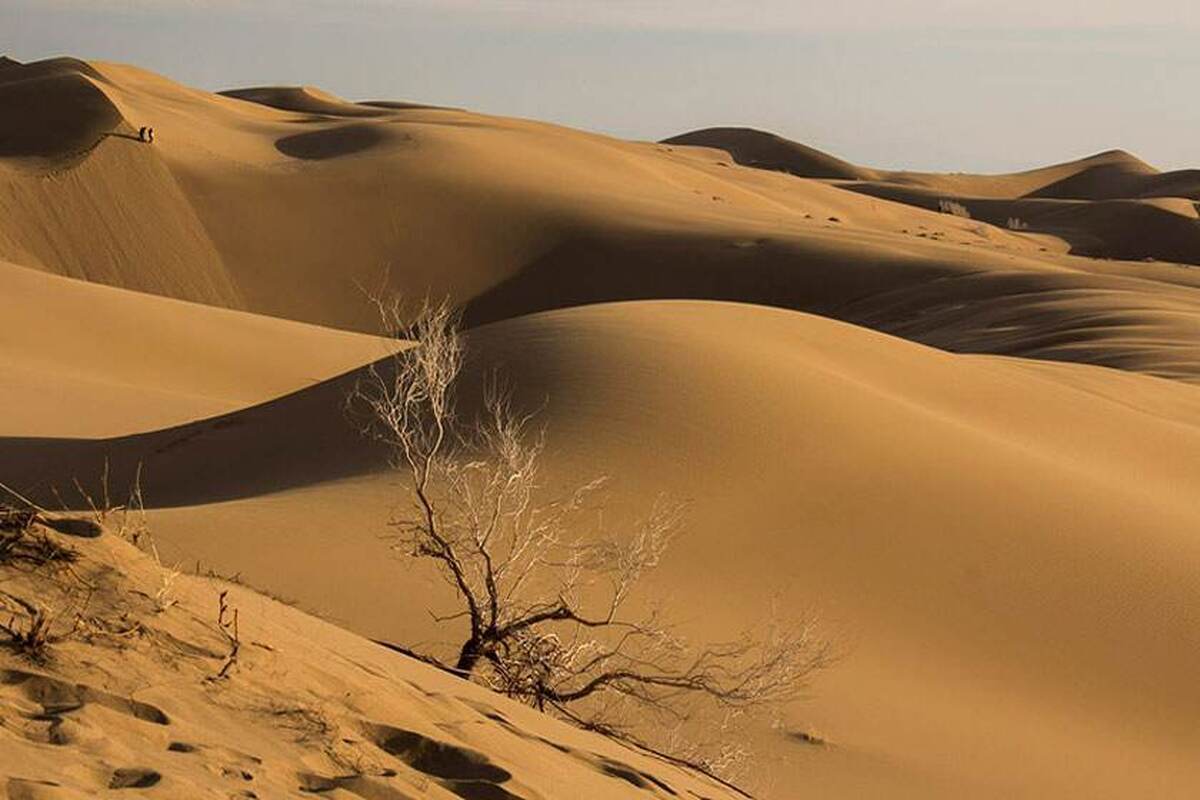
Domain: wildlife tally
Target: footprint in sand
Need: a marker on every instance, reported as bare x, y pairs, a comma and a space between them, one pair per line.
365, 787
59, 697
465, 772
28, 789
228, 763
133, 778
608, 766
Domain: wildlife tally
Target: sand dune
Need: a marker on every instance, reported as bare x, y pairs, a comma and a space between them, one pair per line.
1110, 175
1157, 228
306, 99
1048, 493
976, 454
768, 151
1124, 177
1131, 324
1116, 169
80, 359
306, 708
1138, 319
282, 211
1120, 207
54, 110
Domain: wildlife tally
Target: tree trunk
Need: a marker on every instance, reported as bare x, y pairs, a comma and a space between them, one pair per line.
468, 657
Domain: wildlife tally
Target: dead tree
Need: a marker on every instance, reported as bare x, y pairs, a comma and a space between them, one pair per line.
546, 601
227, 625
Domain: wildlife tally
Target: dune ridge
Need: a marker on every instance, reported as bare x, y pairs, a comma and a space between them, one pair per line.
1109, 205
54, 110
971, 448
754, 148
306, 99
102, 361
1017, 495
257, 228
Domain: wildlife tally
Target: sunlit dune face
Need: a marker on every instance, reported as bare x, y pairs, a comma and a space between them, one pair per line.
949, 420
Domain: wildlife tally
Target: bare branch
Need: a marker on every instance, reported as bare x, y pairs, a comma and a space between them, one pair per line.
545, 591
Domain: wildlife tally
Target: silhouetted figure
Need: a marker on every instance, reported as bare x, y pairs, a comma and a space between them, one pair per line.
150, 135
142, 134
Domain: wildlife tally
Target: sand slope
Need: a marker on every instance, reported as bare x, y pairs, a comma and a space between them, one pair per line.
1103, 179
974, 528
54, 109
132, 707
80, 359
979, 463
1109, 175
1110, 205
1164, 229
306, 99
281, 205
765, 150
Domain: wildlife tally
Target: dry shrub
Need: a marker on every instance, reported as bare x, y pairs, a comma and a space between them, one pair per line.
29, 627
953, 208
547, 609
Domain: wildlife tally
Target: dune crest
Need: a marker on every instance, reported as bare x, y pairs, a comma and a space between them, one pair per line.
305, 99
938, 409
1064, 471
1102, 205
137, 362
281, 202
55, 111
755, 148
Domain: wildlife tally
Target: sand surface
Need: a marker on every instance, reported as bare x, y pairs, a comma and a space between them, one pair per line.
155, 706
81, 359
973, 450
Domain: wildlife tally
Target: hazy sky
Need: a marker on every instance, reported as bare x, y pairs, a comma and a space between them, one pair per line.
926, 84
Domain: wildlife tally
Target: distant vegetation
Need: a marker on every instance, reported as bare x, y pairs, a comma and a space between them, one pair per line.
953, 208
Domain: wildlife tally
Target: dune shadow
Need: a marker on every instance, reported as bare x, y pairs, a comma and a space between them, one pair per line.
73, 526
299, 440
134, 778
58, 697
115, 135
54, 115
331, 142
290, 442
404, 105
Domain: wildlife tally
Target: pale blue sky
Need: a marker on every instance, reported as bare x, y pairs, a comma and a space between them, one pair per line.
925, 84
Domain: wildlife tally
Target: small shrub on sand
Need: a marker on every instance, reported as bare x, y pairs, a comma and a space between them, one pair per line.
953, 208
28, 627
548, 611
21, 543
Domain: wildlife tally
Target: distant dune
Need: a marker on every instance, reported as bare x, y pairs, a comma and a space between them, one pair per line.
766, 150
1117, 174
81, 359
305, 99
1123, 208
958, 415
286, 212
